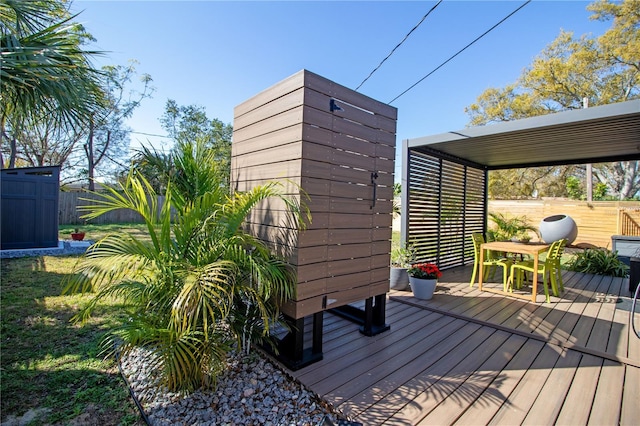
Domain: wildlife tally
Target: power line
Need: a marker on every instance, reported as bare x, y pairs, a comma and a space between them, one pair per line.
148, 134
398, 45
461, 50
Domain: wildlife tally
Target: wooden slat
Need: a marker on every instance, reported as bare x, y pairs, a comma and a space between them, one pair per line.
332, 89
631, 397
521, 380
366, 393
277, 90
285, 136
528, 388
583, 388
557, 384
284, 103
608, 395
482, 378
348, 251
429, 386
493, 398
280, 121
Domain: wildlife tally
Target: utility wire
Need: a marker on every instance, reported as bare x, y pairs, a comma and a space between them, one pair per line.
399, 44
148, 134
461, 50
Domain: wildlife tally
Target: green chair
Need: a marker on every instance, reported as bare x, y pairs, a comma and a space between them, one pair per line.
490, 263
550, 267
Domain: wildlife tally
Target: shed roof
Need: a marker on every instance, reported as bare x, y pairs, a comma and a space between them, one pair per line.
592, 135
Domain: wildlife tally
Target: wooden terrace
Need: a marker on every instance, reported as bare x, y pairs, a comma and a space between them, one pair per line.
471, 357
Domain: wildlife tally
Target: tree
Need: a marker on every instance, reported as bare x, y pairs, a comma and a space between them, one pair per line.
44, 72
604, 70
107, 136
186, 124
196, 285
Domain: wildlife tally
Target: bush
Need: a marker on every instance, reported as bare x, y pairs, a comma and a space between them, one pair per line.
598, 261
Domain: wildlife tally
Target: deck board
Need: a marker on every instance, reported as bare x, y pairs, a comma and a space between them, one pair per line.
468, 357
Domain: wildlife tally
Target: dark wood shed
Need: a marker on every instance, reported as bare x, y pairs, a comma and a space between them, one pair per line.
336, 147
30, 207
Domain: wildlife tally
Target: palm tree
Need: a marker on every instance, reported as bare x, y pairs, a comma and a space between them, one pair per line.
509, 227
196, 286
43, 72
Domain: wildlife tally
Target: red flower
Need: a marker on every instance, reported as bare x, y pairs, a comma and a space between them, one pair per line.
425, 271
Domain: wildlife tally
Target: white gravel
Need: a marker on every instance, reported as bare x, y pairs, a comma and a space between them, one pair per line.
253, 391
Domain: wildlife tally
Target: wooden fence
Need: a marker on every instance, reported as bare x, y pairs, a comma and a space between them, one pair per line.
597, 221
68, 213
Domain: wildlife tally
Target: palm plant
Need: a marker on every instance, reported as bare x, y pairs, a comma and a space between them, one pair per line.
44, 72
197, 286
509, 227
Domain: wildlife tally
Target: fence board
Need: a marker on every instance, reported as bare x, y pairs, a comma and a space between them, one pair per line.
597, 221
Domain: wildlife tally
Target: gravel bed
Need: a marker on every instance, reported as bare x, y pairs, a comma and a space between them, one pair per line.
252, 391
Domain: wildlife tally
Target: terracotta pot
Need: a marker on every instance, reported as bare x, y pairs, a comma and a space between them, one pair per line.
77, 236
423, 288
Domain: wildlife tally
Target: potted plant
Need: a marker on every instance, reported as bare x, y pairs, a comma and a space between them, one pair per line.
77, 235
423, 278
401, 258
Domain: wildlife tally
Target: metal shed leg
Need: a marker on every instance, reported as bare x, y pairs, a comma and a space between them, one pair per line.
291, 350
372, 319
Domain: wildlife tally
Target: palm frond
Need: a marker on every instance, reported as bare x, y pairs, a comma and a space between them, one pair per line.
205, 298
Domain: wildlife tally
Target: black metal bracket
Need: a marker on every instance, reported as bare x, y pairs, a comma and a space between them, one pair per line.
371, 319
374, 177
290, 349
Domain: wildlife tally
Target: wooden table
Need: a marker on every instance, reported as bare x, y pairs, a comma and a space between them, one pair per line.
533, 249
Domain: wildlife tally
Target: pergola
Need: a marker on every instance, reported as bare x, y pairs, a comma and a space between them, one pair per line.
444, 182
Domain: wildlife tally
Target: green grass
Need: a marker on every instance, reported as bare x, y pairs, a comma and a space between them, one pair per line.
95, 232
49, 362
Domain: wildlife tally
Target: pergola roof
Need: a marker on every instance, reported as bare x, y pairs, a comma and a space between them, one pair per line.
592, 135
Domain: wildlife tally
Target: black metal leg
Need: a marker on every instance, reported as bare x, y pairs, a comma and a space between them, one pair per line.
380, 310
291, 350
372, 319
318, 319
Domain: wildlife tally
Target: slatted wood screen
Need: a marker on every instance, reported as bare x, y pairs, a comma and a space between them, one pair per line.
446, 204
328, 145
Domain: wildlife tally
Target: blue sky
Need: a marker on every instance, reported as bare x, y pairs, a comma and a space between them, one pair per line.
217, 54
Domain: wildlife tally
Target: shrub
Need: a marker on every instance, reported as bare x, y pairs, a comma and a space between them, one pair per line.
598, 261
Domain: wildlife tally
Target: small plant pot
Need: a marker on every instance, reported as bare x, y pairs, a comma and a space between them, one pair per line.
423, 288
77, 236
398, 278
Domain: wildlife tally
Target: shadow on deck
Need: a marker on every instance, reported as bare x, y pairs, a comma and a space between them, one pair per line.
470, 357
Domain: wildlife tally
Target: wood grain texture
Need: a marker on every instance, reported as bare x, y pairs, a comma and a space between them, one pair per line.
468, 368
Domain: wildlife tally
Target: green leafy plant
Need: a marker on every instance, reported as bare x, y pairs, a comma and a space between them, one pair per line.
401, 257
428, 271
505, 228
195, 286
598, 261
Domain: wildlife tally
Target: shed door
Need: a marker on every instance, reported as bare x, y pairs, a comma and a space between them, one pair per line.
361, 198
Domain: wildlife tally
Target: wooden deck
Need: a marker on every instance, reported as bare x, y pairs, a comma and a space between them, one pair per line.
470, 357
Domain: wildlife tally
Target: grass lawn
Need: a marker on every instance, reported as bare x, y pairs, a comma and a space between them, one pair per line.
95, 232
49, 364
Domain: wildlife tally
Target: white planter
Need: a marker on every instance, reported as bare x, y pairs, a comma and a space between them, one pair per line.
422, 288
398, 278
557, 227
